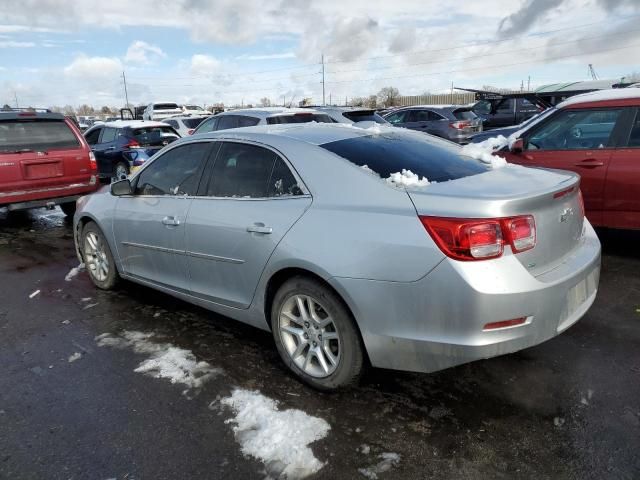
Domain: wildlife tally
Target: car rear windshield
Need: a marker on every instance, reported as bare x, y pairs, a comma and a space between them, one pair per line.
364, 116
391, 152
464, 114
165, 106
193, 122
154, 136
36, 135
300, 118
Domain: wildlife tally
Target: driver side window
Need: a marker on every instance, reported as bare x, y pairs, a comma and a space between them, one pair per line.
575, 130
176, 172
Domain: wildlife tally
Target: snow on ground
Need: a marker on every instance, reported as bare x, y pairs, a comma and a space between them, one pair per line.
278, 438
74, 357
37, 292
407, 178
483, 151
165, 360
73, 272
387, 462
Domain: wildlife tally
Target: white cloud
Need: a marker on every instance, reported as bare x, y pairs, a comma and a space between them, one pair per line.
269, 56
143, 53
204, 65
14, 44
94, 68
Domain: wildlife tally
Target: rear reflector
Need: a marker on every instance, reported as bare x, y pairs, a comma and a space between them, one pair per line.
505, 323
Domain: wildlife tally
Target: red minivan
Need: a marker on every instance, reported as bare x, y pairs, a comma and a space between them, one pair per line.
44, 161
598, 136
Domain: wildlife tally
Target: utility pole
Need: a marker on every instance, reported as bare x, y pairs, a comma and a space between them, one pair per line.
529, 83
15, 96
322, 60
126, 95
330, 98
592, 72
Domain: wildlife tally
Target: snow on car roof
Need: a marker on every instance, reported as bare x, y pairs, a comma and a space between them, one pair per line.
601, 96
264, 112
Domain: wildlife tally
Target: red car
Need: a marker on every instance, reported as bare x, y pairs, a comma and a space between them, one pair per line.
598, 136
44, 161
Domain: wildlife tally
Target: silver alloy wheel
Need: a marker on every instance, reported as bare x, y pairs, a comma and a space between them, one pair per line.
95, 257
309, 336
121, 171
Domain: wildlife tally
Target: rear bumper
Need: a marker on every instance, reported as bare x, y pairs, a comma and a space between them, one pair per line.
437, 322
50, 202
47, 196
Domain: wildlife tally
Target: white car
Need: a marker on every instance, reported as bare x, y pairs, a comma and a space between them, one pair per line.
185, 124
352, 114
194, 110
161, 110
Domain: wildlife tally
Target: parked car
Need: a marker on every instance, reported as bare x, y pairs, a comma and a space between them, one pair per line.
506, 131
44, 161
249, 117
296, 229
352, 114
160, 111
185, 124
454, 123
505, 112
598, 136
194, 110
123, 146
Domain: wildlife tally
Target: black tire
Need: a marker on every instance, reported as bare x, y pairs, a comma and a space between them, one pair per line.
120, 166
112, 277
69, 209
350, 363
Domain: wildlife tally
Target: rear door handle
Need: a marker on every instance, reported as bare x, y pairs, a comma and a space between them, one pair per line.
172, 221
259, 228
589, 163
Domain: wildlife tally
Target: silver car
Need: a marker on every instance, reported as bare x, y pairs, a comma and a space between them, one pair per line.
351, 244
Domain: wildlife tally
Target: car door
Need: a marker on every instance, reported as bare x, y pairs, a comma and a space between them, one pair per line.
578, 140
250, 200
398, 118
622, 200
421, 120
106, 151
93, 139
149, 225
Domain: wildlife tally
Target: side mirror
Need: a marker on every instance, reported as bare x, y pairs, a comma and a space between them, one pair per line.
517, 146
121, 187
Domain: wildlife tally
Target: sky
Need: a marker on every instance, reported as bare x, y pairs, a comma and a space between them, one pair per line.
55, 52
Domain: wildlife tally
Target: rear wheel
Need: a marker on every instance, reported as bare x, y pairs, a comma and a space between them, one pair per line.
120, 171
316, 335
98, 258
69, 209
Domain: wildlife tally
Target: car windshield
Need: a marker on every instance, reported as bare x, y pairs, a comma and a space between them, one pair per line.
37, 135
300, 118
165, 106
392, 152
364, 116
193, 122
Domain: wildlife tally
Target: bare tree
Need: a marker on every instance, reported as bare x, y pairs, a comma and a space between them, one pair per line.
388, 96
6, 107
265, 102
371, 101
68, 110
85, 110
106, 110
357, 102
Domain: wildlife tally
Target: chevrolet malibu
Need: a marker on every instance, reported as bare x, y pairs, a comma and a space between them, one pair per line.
353, 246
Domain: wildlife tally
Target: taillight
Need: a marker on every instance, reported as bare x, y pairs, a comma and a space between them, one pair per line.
132, 144
93, 165
460, 125
190, 131
469, 239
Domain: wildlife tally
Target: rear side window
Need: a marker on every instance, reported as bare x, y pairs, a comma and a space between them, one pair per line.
165, 106
173, 123
227, 121
108, 135
247, 121
634, 137
464, 115
36, 135
193, 122
300, 118
398, 117
392, 152
208, 126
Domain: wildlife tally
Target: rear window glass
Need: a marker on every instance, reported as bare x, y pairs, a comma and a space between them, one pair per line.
464, 115
38, 135
364, 116
392, 152
154, 136
300, 118
193, 122
165, 106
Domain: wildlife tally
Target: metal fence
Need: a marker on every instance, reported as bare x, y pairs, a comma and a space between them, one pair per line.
440, 99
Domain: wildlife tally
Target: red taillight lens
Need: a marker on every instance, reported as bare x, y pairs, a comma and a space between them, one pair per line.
190, 131
514, 322
520, 232
460, 125
93, 165
132, 144
469, 239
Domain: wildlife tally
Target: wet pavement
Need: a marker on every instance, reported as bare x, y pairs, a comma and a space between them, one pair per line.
569, 408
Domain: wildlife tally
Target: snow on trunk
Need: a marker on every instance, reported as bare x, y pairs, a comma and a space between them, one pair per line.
165, 360
406, 178
483, 151
280, 439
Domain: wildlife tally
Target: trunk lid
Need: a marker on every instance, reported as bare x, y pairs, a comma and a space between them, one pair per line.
551, 196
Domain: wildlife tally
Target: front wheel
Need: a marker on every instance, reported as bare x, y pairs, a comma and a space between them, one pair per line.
98, 258
120, 171
315, 334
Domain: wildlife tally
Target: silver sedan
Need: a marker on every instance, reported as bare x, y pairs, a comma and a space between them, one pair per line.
351, 245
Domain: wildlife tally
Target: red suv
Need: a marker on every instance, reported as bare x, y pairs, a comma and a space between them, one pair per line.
598, 136
44, 161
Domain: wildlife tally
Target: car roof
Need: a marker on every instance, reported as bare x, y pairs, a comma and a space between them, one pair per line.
26, 115
265, 112
133, 124
611, 94
433, 107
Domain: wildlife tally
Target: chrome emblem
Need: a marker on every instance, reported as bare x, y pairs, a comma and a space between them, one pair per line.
565, 214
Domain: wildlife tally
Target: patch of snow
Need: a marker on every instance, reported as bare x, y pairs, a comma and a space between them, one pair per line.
73, 272
483, 151
91, 305
387, 461
368, 170
366, 449
175, 364
75, 356
558, 421
37, 292
85, 299
407, 178
278, 438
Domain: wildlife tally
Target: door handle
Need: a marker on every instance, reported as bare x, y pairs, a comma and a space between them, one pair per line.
109, 149
589, 163
172, 221
259, 228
